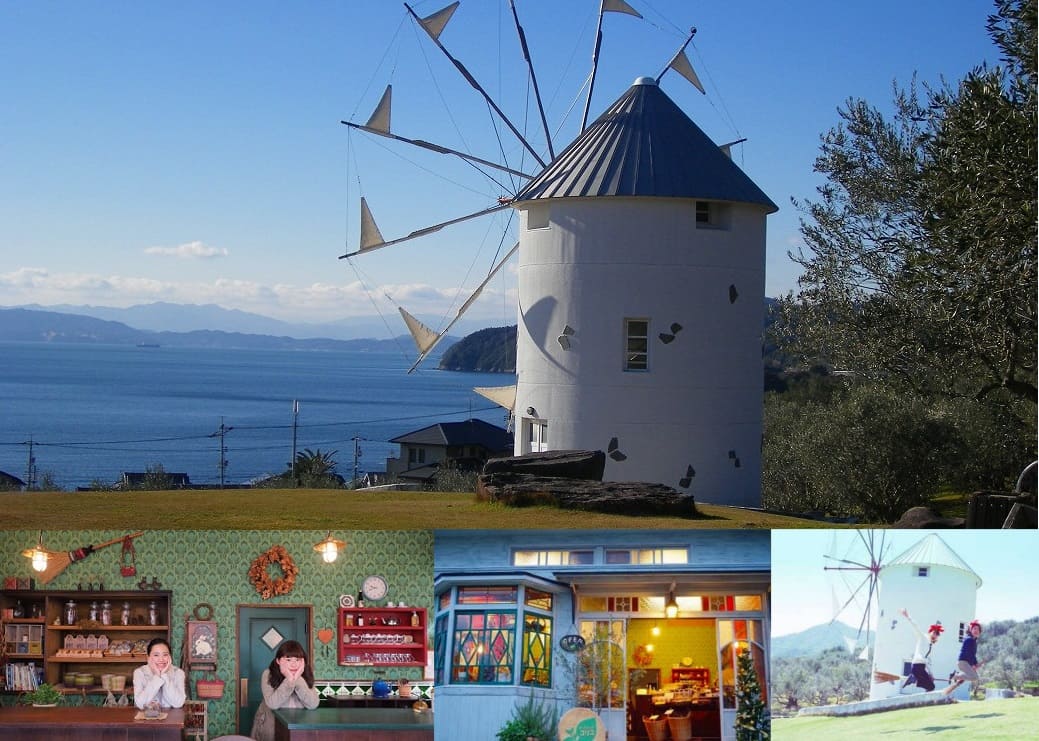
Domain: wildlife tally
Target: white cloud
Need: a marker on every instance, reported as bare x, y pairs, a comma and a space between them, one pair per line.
316, 302
188, 251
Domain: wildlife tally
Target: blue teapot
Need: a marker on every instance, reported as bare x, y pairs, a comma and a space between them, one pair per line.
380, 688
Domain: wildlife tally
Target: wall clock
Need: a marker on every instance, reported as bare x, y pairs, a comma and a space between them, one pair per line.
374, 588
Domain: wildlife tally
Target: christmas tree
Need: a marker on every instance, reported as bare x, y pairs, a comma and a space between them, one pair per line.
752, 721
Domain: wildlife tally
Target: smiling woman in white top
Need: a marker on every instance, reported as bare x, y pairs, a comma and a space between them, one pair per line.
158, 681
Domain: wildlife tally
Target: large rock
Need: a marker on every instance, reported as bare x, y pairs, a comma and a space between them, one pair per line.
619, 498
924, 517
567, 464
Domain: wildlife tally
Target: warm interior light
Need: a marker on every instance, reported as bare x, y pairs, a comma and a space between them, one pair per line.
649, 648
329, 548
37, 555
671, 608
655, 630
39, 559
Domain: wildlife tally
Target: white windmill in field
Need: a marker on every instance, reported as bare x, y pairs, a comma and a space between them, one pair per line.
641, 290
935, 585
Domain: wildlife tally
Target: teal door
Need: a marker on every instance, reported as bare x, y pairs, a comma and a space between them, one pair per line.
260, 631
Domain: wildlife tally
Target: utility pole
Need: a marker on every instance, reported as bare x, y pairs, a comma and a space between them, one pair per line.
223, 449
30, 468
295, 421
357, 456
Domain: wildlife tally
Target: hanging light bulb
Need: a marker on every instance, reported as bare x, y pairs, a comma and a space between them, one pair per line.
329, 548
671, 606
38, 555
655, 630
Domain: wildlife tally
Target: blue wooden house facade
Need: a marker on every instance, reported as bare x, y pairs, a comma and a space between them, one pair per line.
625, 623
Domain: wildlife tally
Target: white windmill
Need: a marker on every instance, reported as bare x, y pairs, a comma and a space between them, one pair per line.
935, 585
641, 290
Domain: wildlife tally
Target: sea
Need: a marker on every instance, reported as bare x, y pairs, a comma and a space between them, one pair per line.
85, 413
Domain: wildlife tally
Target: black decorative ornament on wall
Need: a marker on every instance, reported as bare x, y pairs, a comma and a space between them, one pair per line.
613, 450
734, 458
733, 294
564, 338
686, 480
668, 337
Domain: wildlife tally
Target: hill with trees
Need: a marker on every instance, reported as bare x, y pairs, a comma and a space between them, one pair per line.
1010, 649
491, 350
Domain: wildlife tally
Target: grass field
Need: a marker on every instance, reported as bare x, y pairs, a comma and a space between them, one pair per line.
991, 719
290, 509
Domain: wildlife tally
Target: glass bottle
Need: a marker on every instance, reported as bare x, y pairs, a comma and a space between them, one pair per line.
414, 619
106, 613
70, 613
19, 611
153, 613
125, 617
93, 612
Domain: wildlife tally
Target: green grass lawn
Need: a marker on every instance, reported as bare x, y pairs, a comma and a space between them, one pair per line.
291, 509
991, 719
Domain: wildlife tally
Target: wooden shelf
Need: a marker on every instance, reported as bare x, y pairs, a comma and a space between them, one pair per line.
120, 628
127, 659
353, 652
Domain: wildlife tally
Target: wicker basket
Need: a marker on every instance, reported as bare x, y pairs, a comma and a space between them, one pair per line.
681, 726
656, 728
209, 689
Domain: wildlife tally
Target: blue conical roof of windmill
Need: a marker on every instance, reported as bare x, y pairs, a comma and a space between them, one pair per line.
645, 145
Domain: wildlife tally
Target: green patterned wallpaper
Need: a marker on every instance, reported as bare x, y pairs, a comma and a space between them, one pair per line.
211, 566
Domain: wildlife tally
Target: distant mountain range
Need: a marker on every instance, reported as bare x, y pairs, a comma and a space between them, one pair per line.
167, 317
37, 325
817, 639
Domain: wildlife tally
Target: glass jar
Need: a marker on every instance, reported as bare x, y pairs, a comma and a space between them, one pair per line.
18, 610
153, 613
93, 612
70, 613
106, 613
125, 617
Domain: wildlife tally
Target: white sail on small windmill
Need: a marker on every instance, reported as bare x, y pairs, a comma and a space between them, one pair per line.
855, 567
379, 124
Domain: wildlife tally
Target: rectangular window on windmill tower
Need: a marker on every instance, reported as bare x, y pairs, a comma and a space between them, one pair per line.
636, 344
712, 215
922, 571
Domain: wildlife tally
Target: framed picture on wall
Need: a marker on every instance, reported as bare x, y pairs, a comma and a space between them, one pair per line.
201, 641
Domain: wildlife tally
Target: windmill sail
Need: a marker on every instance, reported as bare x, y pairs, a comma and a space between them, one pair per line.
434, 24
373, 230
425, 338
427, 344
615, 6
380, 118
503, 396
371, 237
681, 65
439, 149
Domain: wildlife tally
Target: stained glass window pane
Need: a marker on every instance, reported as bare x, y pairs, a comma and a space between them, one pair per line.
537, 651
483, 648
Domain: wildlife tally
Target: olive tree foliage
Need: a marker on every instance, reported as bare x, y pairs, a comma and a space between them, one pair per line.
869, 452
919, 266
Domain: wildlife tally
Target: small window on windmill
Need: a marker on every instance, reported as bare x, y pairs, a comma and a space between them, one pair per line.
636, 344
921, 571
712, 215
537, 216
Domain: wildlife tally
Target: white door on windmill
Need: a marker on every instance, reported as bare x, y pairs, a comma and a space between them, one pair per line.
535, 435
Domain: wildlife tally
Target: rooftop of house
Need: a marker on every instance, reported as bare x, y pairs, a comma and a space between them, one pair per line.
453, 434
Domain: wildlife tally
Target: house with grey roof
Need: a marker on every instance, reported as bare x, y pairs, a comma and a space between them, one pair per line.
464, 446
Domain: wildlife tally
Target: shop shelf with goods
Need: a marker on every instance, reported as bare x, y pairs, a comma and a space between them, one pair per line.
382, 636
93, 640
21, 627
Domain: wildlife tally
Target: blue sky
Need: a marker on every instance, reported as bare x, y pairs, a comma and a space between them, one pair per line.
192, 152
801, 589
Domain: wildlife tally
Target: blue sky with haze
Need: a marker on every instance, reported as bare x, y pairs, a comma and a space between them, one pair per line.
191, 151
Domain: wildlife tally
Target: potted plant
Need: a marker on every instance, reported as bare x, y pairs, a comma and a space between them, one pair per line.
44, 696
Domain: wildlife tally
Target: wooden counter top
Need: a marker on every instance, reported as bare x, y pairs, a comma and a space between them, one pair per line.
355, 724
86, 723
